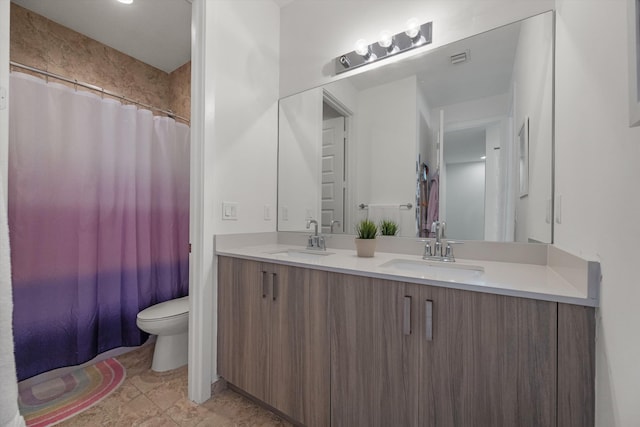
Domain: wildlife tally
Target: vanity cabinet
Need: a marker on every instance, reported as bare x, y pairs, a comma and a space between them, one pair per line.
414, 355
332, 349
273, 338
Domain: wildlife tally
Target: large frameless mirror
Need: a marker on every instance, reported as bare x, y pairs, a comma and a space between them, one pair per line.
461, 134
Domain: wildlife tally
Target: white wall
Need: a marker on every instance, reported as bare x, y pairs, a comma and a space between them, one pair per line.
234, 146
597, 175
465, 200
314, 33
533, 82
482, 110
426, 131
387, 147
300, 153
4, 83
493, 220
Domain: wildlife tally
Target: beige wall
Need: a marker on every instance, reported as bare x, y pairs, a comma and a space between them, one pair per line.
180, 90
41, 43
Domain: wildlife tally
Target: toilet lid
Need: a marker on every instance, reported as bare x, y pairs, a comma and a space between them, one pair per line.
171, 308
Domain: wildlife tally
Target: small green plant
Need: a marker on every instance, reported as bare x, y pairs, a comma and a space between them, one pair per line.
388, 227
366, 229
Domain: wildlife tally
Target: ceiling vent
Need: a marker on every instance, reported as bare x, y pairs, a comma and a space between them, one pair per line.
459, 58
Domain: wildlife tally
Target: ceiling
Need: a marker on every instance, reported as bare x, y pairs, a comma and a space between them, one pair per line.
487, 72
156, 32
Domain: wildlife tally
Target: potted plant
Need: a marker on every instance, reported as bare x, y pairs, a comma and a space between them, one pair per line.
388, 227
366, 231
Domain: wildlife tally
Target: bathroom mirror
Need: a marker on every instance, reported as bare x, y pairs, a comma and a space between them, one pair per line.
380, 143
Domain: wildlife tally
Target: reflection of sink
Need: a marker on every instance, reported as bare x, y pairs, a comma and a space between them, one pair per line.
301, 254
435, 269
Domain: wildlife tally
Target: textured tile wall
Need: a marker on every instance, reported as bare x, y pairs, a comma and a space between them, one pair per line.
42, 43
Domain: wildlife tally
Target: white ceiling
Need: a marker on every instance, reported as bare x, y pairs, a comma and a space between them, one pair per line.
486, 73
156, 32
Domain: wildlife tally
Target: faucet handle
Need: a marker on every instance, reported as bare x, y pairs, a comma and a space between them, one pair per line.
427, 248
448, 253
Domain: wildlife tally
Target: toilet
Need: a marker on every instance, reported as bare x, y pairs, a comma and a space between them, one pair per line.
168, 320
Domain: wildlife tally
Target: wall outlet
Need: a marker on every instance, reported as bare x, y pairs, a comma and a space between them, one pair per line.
230, 211
309, 213
267, 213
285, 213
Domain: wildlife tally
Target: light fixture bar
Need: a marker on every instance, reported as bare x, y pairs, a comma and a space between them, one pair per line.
401, 42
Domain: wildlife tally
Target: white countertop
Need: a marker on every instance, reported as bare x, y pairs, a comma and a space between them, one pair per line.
503, 278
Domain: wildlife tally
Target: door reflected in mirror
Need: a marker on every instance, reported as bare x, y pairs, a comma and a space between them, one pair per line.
433, 137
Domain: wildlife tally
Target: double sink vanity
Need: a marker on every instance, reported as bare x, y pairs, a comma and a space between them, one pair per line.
503, 336
329, 339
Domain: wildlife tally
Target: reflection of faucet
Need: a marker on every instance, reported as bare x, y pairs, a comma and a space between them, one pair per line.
438, 228
333, 222
316, 241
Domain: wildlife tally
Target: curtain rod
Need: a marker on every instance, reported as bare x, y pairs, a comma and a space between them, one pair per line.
99, 89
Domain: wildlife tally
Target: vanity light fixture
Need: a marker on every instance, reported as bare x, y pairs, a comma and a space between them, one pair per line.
126, 1
386, 40
363, 49
413, 30
388, 45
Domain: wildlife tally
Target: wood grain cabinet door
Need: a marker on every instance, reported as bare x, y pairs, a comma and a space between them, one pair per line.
300, 345
273, 336
488, 360
244, 305
368, 373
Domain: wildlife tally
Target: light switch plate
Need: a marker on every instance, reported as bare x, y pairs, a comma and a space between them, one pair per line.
230, 211
267, 213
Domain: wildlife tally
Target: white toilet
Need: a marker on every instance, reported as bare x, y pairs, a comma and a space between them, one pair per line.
168, 320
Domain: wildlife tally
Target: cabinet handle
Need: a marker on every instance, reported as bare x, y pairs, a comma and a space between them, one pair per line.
264, 285
275, 286
429, 320
406, 321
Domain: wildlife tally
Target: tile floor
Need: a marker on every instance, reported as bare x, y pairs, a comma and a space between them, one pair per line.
152, 399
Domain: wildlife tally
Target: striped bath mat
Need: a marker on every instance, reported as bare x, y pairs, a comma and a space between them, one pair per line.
58, 399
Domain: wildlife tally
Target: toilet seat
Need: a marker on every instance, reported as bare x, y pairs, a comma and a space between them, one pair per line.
166, 310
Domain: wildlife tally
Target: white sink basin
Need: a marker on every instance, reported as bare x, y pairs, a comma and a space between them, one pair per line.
301, 254
435, 270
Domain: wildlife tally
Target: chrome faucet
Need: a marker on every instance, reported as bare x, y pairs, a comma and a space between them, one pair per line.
316, 242
437, 253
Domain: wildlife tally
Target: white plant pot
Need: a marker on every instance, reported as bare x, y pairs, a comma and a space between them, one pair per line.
366, 248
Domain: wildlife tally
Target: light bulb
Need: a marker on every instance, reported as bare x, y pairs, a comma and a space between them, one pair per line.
362, 47
413, 28
386, 39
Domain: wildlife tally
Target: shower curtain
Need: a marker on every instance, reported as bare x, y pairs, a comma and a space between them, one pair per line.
98, 219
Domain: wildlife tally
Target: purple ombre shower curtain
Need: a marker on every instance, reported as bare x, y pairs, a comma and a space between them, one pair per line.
98, 219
